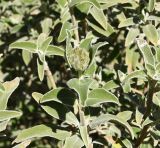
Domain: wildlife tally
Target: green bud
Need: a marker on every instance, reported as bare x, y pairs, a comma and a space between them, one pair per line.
79, 59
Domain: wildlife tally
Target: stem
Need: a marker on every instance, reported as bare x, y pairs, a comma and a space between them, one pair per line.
144, 131
50, 76
151, 91
74, 23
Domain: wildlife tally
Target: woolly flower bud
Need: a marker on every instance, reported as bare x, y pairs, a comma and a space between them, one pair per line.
79, 59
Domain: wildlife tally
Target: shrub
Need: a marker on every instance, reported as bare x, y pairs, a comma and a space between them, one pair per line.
97, 64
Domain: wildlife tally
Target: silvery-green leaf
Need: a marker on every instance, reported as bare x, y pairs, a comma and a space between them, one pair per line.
41, 38
110, 85
54, 50
125, 115
40, 131
146, 52
57, 110
3, 125
150, 70
81, 86
151, 33
151, 5
65, 26
45, 44
84, 134
61, 95
127, 22
100, 30
9, 86
25, 45
132, 34
93, 2
100, 95
134, 74
8, 114
101, 19
108, 117
27, 56
73, 142
139, 117
127, 143
157, 49
46, 25
40, 69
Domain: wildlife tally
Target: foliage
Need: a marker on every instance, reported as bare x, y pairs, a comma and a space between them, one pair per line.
89, 75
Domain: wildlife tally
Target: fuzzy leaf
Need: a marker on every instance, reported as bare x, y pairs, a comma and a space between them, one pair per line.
100, 95
81, 86
54, 50
9, 86
73, 142
40, 131
40, 69
151, 5
151, 33
131, 36
146, 52
8, 114
25, 45
108, 117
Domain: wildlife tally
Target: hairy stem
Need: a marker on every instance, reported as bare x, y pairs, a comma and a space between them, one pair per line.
50, 76
74, 23
143, 133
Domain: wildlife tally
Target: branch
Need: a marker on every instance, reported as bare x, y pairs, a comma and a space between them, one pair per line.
50, 76
143, 133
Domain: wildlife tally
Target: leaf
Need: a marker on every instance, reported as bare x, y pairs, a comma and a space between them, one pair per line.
40, 69
94, 49
84, 134
134, 74
45, 44
151, 5
9, 86
125, 115
100, 30
3, 125
81, 86
157, 50
93, 2
62, 2
110, 85
108, 117
63, 34
146, 52
125, 23
100, 95
41, 38
101, 19
151, 33
73, 142
8, 114
61, 95
27, 56
139, 117
46, 25
86, 43
150, 70
25, 45
40, 131
131, 36
127, 143
23, 144
54, 50
2, 89
57, 110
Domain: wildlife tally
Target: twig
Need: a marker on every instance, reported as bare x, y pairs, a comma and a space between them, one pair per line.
50, 76
144, 131
74, 23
